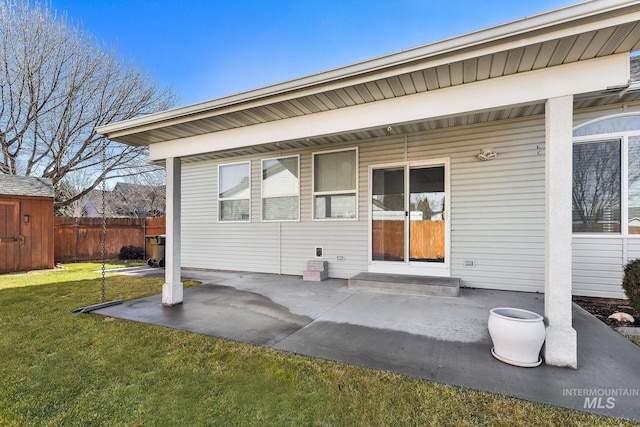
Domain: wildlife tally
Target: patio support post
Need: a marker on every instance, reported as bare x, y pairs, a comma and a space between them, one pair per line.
172, 288
561, 339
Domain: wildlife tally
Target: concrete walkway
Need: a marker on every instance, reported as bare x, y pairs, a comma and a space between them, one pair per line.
433, 338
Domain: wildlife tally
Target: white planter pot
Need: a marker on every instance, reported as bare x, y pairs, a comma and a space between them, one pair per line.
517, 336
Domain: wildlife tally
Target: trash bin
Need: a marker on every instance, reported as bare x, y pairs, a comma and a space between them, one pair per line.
157, 250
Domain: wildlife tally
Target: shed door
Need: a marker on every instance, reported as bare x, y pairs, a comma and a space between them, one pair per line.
9, 236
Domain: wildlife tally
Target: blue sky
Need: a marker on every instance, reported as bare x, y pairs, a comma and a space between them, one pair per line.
205, 49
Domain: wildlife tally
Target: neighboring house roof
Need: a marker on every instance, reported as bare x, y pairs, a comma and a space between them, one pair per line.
240, 190
12, 185
124, 200
131, 192
138, 199
579, 32
92, 204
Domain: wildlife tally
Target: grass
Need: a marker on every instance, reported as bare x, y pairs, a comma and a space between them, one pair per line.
63, 369
633, 338
70, 273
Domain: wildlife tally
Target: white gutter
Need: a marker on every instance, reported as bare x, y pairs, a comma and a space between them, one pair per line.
500, 32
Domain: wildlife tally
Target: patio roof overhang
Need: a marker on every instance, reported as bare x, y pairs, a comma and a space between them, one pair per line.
582, 32
577, 55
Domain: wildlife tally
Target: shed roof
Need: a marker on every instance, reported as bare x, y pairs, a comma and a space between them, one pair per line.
12, 185
583, 31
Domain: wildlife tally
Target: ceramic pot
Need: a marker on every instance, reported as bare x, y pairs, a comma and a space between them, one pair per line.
517, 336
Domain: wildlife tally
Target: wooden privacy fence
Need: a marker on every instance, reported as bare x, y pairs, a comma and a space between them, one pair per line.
426, 240
80, 239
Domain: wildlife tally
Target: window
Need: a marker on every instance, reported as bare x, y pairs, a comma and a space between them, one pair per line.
280, 189
634, 185
611, 125
335, 184
234, 192
596, 187
606, 176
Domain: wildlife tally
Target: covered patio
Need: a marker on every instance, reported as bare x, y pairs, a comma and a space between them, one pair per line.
432, 338
521, 87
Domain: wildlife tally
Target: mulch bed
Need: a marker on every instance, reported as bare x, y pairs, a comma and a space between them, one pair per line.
602, 308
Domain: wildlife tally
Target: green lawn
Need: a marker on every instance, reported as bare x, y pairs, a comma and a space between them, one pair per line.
633, 338
58, 368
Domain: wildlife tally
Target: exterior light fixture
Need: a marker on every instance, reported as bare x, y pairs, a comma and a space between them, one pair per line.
487, 154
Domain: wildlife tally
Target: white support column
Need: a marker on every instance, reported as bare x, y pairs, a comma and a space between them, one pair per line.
561, 341
172, 288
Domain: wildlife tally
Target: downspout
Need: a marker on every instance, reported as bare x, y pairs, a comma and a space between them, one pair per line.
406, 148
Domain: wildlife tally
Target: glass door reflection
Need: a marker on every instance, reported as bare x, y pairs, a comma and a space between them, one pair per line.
388, 214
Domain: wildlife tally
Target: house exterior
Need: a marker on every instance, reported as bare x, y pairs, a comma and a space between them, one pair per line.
91, 206
138, 200
26, 223
477, 133
124, 201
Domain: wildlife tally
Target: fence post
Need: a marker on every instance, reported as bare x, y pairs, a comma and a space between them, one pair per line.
75, 252
144, 239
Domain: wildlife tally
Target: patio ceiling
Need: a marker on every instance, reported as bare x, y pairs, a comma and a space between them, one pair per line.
488, 54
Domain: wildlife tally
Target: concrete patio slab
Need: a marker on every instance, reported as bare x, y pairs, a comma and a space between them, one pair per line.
433, 338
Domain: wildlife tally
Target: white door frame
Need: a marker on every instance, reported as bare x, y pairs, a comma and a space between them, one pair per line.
407, 267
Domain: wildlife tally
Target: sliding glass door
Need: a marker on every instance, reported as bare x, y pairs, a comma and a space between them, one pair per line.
409, 218
426, 214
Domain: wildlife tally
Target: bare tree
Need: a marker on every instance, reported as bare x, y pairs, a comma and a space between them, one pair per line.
57, 84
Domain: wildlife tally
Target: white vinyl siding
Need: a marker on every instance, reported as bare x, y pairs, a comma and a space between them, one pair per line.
256, 246
497, 215
497, 210
597, 265
633, 251
497, 206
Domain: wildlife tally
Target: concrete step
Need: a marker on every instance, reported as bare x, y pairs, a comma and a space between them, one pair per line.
417, 285
317, 265
315, 276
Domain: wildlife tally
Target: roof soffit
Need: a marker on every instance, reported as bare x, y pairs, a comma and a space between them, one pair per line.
420, 69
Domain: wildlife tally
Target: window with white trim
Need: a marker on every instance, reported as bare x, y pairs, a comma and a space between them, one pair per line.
606, 176
234, 192
596, 186
281, 189
335, 184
